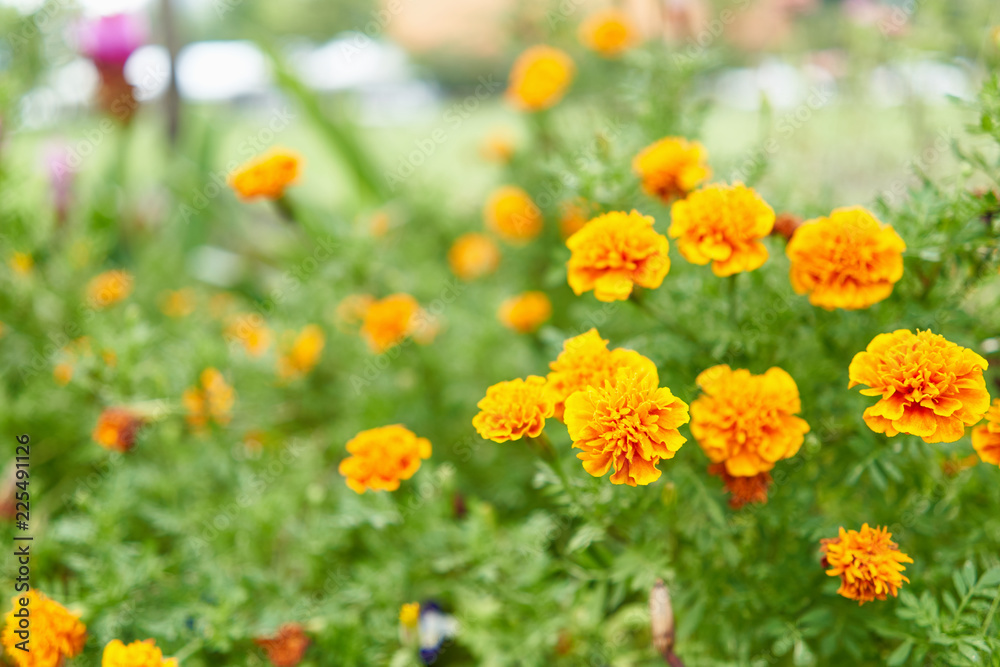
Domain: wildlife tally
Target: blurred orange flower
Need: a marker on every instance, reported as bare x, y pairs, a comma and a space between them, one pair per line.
179, 303
513, 409
574, 214
21, 263
869, 564
212, 400
510, 213
628, 423
742, 490
382, 457
525, 312
497, 147
267, 175
117, 429
388, 321
609, 32
137, 654
849, 260
56, 632
746, 421
986, 436
615, 251
250, 331
671, 167
929, 386
287, 647
351, 310
722, 224
303, 354
473, 256
108, 288
539, 78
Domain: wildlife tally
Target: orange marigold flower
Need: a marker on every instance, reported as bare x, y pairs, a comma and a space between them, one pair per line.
671, 167
302, 355
109, 288
56, 632
629, 423
117, 429
211, 401
586, 361
615, 251
351, 310
287, 647
849, 260
137, 654
539, 78
514, 409
525, 312
21, 263
747, 421
722, 224
473, 256
929, 386
609, 32
986, 436
868, 563
383, 456
743, 490
389, 320
510, 213
267, 175
178, 303
62, 373
250, 332
574, 214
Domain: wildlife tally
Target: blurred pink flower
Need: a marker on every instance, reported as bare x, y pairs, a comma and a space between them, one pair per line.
110, 40
56, 158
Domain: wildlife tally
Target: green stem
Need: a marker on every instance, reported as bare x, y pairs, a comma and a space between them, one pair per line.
989, 615
638, 298
544, 447
734, 304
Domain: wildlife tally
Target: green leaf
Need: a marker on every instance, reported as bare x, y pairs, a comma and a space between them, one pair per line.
899, 656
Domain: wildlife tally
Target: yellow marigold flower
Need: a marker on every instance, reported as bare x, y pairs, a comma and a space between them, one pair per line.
212, 400
615, 251
722, 224
267, 175
609, 32
117, 429
510, 213
136, 654
473, 256
539, 78
497, 147
21, 263
574, 214
525, 312
747, 421
383, 456
514, 409
849, 260
109, 288
409, 614
671, 167
586, 361
929, 386
55, 632
303, 354
986, 436
869, 564
179, 303
629, 423
287, 647
62, 373
743, 490
389, 320
250, 332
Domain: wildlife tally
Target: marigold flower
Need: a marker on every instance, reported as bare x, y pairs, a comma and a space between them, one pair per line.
388, 321
722, 224
747, 421
63, 373
525, 312
382, 457
743, 490
615, 251
117, 429
109, 288
849, 260
986, 436
21, 263
929, 386
137, 654
267, 175
609, 32
303, 353
287, 647
671, 167
351, 310
56, 632
510, 213
586, 361
473, 256
514, 409
539, 78
409, 615
212, 400
574, 214
629, 423
868, 563
251, 333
